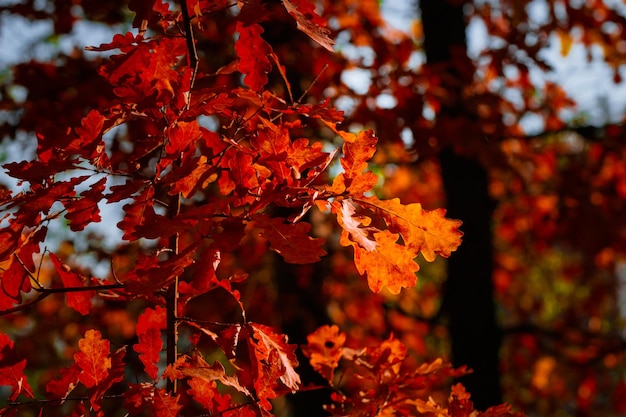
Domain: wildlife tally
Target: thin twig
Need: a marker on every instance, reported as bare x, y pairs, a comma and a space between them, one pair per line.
191, 46
319, 74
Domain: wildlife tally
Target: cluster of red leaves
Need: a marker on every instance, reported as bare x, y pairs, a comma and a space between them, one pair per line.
198, 193
376, 381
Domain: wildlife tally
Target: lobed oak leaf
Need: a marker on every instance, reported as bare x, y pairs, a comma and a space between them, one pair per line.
88, 142
182, 136
116, 374
357, 153
151, 274
127, 190
324, 349
240, 174
274, 360
93, 358
38, 171
352, 227
267, 341
40, 198
309, 22
146, 69
13, 281
78, 300
203, 392
84, 210
203, 278
12, 370
149, 326
253, 52
146, 399
290, 240
121, 42
390, 266
195, 175
428, 232
65, 384
197, 367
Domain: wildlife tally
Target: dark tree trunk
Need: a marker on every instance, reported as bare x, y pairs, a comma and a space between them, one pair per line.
468, 298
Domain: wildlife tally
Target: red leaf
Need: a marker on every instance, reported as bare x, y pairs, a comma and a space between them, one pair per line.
116, 374
143, 12
290, 240
146, 399
13, 281
93, 358
151, 275
78, 300
84, 209
61, 387
253, 53
12, 370
275, 360
149, 327
309, 22
122, 42
146, 69
197, 367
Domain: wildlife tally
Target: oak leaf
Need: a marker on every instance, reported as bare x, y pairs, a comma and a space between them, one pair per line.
146, 399
12, 370
324, 349
428, 232
390, 266
149, 326
84, 210
290, 240
196, 367
78, 300
275, 360
93, 358
253, 52
309, 22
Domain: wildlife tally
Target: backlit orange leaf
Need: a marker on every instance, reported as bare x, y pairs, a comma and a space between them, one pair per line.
390, 266
93, 358
309, 22
324, 349
428, 232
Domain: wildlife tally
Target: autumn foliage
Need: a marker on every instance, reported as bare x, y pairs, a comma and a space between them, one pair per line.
192, 196
207, 215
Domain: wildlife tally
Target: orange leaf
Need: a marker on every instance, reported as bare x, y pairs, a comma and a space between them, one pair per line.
324, 349
391, 265
93, 358
309, 22
357, 153
428, 232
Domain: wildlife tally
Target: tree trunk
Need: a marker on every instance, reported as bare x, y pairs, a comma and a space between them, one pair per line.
468, 298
